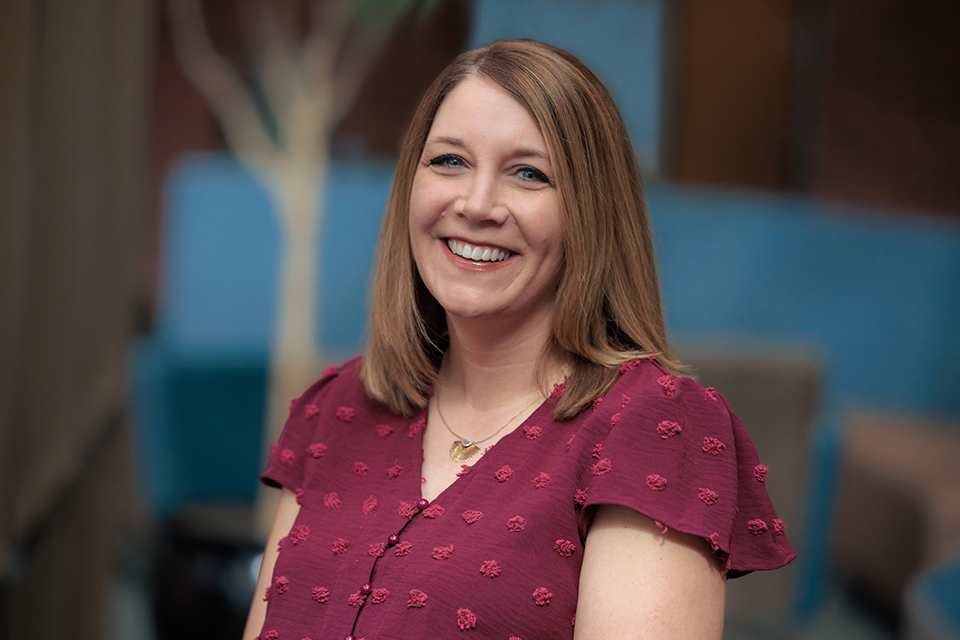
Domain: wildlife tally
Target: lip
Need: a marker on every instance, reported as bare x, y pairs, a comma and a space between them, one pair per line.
474, 265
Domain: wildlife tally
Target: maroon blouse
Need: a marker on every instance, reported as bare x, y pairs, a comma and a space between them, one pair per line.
498, 553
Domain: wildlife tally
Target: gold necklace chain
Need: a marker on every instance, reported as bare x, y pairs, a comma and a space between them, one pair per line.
463, 449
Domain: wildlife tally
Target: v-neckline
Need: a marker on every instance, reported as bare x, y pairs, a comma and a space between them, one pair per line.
424, 415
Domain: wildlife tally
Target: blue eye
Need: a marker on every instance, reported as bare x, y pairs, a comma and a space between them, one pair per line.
447, 160
533, 175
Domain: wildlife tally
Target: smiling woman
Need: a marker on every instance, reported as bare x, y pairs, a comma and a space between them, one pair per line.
484, 184
516, 325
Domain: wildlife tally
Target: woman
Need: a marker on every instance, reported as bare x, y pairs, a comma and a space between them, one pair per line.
515, 456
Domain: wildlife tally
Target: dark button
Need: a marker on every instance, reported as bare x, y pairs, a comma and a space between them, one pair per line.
422, 504
366, 589
393, 539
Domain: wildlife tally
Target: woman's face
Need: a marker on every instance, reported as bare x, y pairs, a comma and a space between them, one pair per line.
485, 210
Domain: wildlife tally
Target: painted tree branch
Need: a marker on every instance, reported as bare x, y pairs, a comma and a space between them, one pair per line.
219, 83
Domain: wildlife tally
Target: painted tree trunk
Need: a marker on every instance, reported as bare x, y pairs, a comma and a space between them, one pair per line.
295, 361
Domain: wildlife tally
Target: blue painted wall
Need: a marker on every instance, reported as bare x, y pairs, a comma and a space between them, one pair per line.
220, 264
873, 294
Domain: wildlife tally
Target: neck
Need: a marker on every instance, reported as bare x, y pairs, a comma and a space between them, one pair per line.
492, 366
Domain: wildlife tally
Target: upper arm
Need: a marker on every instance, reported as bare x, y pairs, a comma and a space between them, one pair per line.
638, 582
287, 511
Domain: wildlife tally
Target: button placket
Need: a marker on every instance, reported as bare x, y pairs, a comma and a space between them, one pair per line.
392, 541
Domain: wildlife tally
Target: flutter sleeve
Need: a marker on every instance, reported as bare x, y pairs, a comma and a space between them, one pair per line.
287, 463
675, 452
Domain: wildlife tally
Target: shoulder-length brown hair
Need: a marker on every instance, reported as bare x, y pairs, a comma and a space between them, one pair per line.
608, 300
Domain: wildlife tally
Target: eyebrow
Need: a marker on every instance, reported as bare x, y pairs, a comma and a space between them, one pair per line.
457, 142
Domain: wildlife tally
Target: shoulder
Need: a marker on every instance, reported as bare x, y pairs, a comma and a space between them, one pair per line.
334, 381
667, 424
647, 375
647, 389
314, 417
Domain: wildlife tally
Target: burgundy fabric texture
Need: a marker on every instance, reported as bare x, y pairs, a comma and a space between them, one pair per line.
498, 553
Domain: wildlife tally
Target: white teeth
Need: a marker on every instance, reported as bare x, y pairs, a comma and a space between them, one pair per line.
482, 254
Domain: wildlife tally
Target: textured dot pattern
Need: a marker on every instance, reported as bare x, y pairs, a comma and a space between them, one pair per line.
499, 552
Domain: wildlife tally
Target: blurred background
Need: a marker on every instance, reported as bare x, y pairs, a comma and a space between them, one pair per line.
801, 160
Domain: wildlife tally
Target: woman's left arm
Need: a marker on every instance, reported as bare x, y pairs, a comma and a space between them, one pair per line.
637, 582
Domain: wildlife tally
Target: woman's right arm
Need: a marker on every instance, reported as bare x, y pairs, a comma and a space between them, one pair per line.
287, 512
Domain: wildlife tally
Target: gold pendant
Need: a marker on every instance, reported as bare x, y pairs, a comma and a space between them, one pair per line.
462, 450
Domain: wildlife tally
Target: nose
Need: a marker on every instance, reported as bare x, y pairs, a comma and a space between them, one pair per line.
480, 201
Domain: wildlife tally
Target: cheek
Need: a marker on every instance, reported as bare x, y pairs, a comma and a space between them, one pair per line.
418, 229
420, 208
552, 230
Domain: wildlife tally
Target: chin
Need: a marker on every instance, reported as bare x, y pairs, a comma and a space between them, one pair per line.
463, 302
466, 312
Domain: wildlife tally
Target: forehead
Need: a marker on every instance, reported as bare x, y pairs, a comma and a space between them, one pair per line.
481, 109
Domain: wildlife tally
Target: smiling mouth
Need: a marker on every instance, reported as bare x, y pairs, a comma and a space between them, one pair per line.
481, 254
